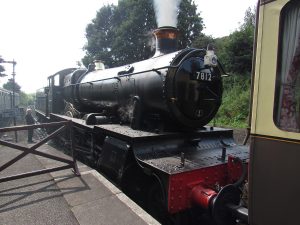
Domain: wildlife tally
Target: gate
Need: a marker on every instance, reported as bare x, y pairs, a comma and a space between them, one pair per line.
65, 125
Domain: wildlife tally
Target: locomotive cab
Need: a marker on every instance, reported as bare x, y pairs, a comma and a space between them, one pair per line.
55, 100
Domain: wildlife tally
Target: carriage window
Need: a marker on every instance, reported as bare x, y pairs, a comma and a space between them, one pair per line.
287, 100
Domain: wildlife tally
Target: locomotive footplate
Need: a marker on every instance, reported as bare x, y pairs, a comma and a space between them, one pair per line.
179, 157
126, 133
77, 122
208, 159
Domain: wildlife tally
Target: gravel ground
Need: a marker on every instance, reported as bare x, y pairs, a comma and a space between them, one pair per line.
239, 135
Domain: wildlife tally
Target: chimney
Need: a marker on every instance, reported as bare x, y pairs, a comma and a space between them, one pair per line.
166, 40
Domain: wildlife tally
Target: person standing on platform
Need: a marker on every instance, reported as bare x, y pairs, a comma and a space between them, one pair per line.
29, 121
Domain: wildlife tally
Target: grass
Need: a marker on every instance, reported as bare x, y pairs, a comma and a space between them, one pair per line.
235, 103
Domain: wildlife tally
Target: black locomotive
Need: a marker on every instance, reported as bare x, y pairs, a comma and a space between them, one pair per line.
144, 125
177, 88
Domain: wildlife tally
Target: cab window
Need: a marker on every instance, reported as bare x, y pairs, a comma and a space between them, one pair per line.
287, 97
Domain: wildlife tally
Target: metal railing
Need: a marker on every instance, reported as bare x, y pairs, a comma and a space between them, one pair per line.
65, 125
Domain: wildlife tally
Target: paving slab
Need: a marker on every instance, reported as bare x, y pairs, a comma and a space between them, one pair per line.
35, 200
105, 211
90, 189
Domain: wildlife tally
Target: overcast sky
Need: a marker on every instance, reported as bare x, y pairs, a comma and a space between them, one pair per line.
45, 36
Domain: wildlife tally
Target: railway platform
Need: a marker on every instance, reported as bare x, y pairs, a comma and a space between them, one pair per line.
61, 198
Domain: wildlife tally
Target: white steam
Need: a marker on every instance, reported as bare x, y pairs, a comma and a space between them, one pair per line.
166, 12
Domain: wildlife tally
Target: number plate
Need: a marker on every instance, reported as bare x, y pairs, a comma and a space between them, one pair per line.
203, 76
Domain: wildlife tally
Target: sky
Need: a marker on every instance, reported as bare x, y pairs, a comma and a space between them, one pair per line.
45, 36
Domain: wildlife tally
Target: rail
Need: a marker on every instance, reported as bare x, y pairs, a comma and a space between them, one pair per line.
32, 150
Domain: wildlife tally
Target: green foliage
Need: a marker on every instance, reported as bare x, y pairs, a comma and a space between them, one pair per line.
235, 53
249, 18
132, 40
1, 71
123, 34
203, 40
1, 67
26, 99
238, 58
99, 34
9, 86
190, 24
237, 50
234, 110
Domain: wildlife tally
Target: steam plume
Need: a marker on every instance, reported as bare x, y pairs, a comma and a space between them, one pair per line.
166, 12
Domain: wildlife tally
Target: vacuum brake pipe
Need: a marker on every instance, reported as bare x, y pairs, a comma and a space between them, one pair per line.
225, 205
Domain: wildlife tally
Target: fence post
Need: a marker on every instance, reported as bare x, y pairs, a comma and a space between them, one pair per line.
75, 167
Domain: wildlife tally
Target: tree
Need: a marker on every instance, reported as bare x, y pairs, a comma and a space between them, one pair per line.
189, 23
235, 53
98, 34
132, 38
9, 86
26, 99
238, 48
1, 67
249, 18
1, 70
203, 40
123, 34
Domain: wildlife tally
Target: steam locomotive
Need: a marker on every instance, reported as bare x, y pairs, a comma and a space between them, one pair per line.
144, 124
